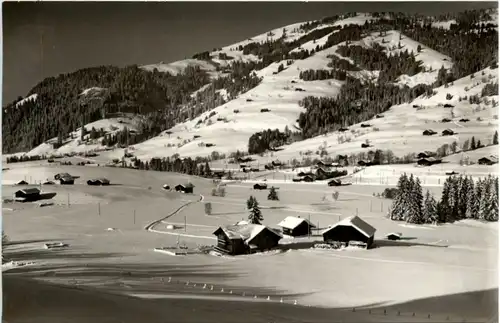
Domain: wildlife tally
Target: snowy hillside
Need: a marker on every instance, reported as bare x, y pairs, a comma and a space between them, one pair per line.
274, 103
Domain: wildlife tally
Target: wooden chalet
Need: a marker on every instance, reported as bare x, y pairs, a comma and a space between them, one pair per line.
365, 125
350, 229
245, 239
489, 160
27, 195
428, 161
445, 120
448, 132
99, 181
244, 159
464, 120
296, 226
276, 163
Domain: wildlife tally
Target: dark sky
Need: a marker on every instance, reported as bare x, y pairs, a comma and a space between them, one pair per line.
78, 35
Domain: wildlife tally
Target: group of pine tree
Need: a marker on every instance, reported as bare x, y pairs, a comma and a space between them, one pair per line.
462, 198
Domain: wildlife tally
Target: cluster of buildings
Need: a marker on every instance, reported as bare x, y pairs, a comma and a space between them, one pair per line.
244, 238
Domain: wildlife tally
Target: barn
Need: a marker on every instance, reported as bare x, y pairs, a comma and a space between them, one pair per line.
27, 195
490, 160
245, 238
296, 226
350, 229
428, 161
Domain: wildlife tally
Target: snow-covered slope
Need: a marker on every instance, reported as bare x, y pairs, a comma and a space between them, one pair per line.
274, 103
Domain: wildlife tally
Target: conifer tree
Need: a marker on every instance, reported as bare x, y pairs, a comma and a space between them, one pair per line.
255, 216
472, 201
273, 195
397, 208
430, 212
444, 205
484, 199
473, 143
493, 203
414, 214
495, 138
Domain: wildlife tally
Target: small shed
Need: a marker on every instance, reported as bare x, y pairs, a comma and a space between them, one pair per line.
428, 161
260, 186
66, 180
246, 238
429, 132
296, 226
186, 189
27, 195
335, 182
489, 160
448, 132
464, 120
350, 229
394, 236
98, 181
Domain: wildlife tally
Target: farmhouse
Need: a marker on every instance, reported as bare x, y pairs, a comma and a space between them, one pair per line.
187, 189
350, 229
490, 160
27, 195
245, 238
428, 161
296, 226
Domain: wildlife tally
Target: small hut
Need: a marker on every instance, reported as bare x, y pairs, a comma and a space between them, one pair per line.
260, 186
429, 132
296, 226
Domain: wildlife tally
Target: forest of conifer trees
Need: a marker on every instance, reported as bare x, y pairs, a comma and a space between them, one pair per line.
462, 198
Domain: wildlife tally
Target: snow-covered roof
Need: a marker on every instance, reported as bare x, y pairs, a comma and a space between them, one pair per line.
246, 232
291, 222
355, 222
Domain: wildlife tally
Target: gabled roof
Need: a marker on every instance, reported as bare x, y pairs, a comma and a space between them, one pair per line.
355, 222
492, 158
246, 232
291, 222
30, 191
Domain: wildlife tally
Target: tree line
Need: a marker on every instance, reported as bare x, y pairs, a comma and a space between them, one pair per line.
356, 102
462, 198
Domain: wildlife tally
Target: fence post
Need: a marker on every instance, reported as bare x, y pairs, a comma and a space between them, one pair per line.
68, 199
134, 216
99, 208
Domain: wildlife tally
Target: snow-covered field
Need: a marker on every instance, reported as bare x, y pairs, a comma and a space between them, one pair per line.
430, 263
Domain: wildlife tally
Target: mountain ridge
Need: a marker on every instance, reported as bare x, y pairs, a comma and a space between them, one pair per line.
250, 86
